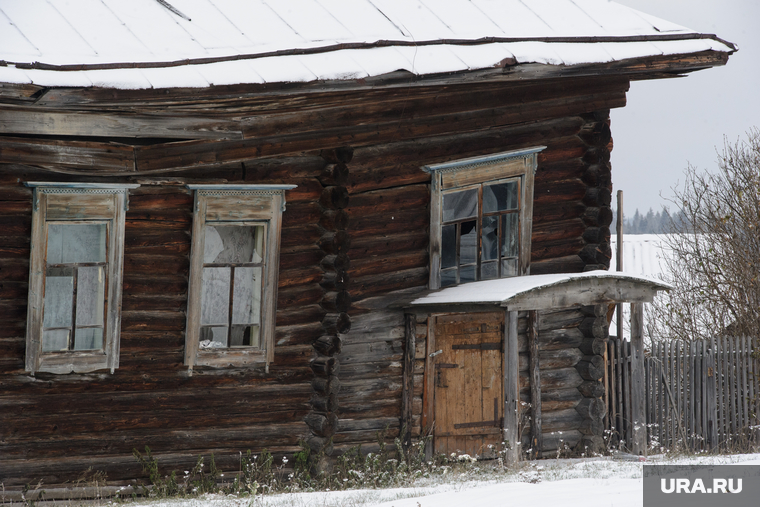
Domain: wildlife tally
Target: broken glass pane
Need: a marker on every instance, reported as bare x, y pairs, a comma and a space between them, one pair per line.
233, 244
59, 298
245, 336
500, 197
459, 205
213, 337
449, 246
76, 243
509, 231
468, 243
91, 285
490, 238
89, 338
55, 340
215, 296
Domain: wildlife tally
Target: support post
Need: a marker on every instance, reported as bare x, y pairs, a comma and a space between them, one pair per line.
510, 367
536, 438
619, 258
638, 413
407, 401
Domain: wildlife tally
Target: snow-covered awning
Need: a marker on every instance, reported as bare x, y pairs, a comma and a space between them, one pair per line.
539, 292
197, 43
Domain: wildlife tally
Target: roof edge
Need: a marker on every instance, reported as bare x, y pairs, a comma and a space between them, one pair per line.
369, 45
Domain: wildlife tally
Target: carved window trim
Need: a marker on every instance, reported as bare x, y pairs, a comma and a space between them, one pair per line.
474, 173
242, 205
76, 203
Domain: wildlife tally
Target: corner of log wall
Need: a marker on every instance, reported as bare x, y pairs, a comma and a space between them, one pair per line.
592, 407
597, 175
336, 301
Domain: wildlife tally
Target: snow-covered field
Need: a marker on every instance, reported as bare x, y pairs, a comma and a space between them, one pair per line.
589, 482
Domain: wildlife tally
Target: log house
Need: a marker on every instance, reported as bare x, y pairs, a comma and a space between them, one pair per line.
208, 250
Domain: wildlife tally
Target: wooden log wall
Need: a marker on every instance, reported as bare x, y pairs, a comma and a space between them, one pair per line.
54, 427
354, 242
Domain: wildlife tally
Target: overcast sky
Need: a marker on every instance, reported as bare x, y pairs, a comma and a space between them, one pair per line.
671, 123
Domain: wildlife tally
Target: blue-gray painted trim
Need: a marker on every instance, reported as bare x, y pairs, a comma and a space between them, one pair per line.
58, 184
239, 187
486, 160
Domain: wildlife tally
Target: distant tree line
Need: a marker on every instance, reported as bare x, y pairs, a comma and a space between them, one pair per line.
662, 222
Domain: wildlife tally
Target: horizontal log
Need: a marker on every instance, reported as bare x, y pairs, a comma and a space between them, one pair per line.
593, 346
555, 249
592, 389
92, 156
326, 385
559, 230
334, 243
322, 425
283, 168
298, 334
325, 403
334, 174
597, 196
592, 408
299, 296
597, 216
595, 327
334, 220
404, 259
336, 301
596, 134
368, 286
300, 315
335, 197
328, 345
567, 264
562, 441
340, 155
376, 247
336, 323
598, 175
324, 366
591, 367
561, 420
156, 265
597, 234
390, 200
335, 280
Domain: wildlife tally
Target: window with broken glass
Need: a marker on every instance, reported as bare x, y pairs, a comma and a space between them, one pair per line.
481, 216
233, 267
232, 293
75, 276
480, 232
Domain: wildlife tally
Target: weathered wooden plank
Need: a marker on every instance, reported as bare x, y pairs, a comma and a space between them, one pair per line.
638, 415
91, 156
51, 122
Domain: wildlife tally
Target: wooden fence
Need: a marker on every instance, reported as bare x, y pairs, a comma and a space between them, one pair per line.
700, 395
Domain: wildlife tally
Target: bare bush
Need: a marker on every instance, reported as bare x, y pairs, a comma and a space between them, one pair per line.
715, 261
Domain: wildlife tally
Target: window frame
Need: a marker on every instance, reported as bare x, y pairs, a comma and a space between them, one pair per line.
76, 203
478, 172
239, 205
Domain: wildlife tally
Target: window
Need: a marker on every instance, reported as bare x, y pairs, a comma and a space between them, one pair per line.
233, 274
481, 217
76, 263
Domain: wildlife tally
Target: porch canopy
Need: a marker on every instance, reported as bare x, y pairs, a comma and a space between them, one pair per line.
542, 292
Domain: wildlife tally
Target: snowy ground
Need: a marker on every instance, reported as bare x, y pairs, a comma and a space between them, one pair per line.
546, 483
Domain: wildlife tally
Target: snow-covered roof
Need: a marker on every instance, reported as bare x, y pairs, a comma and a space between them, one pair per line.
196, 43
548, 291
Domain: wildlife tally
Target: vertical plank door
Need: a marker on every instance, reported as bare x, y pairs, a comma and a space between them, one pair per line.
469, 397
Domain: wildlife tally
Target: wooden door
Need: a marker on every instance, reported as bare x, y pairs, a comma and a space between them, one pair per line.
468, 386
